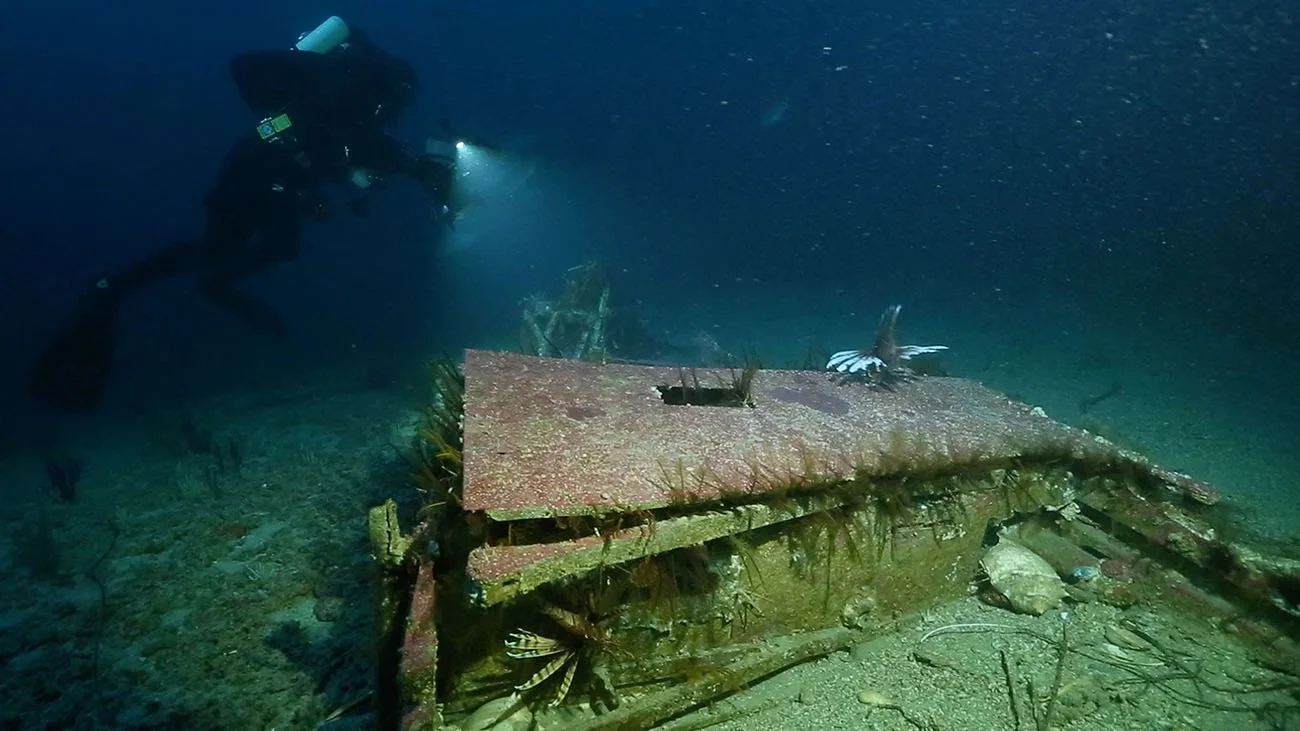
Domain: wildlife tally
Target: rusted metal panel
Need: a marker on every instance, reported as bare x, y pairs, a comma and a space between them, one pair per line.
548, 437
737, 529
419, 654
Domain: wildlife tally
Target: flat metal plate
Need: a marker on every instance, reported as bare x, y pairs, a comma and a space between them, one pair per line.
547, 437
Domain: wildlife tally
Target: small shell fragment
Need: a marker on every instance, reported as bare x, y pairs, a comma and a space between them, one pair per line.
875, 699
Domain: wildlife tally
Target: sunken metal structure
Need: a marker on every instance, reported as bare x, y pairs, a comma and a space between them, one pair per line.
613, 553
577, 323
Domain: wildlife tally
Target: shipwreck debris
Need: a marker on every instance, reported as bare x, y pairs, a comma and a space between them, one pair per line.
617, 559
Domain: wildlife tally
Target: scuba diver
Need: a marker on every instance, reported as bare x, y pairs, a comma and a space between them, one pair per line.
323, 106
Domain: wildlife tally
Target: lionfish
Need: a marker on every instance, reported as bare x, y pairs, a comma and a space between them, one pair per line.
886, 356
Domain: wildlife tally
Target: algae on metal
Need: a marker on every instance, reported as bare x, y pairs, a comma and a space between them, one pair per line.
506, 571
576, 324
547, 438
391, 550
676, 540
407, 644
849, 564
593, 552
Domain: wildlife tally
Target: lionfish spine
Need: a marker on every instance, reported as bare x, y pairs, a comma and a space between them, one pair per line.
522, 644
547, 671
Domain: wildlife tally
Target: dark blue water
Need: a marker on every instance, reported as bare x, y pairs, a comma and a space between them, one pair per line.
947, 146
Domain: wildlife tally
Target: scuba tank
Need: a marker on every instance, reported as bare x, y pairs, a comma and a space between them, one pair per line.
326, 37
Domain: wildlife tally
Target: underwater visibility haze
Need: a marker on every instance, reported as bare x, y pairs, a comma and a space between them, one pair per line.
247, 247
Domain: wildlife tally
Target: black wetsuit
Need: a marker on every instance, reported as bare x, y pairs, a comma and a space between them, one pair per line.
338, 105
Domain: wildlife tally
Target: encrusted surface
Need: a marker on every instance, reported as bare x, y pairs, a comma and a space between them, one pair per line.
547, 437
508, 571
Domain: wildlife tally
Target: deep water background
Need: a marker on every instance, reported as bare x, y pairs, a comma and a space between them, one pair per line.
1140, 157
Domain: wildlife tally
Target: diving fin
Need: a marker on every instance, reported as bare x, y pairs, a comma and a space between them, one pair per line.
72, 371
